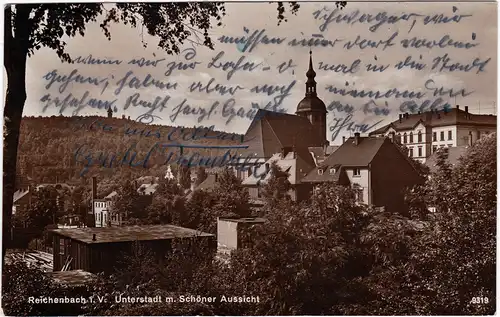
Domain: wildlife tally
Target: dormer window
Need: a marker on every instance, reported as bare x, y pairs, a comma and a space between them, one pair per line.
320, 171
332, 171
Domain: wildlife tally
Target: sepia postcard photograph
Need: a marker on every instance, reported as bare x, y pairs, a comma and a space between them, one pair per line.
249, 158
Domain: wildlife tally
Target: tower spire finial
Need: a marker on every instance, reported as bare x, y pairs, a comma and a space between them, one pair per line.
311, 83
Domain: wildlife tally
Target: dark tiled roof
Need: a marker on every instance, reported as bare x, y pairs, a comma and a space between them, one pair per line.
454, 153
319, 152
271, 131
130, 233
208, 184
348, 154
441, 118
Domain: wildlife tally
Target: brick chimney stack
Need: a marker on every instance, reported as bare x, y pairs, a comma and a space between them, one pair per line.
356, 138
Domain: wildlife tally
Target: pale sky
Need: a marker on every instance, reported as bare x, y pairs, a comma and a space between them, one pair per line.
479, 29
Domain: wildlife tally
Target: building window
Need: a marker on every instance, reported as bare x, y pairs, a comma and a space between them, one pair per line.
441, 135
356, 172
419, 151
419, 136
434, 148
320, 171
441, 146
410, 152
449, 135
434, 136
411, 137
404, 138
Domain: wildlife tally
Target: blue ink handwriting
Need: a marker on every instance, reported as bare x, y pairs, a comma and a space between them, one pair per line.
189, 54
441, 91
285, 66
147, 118
141, 62
158, 103
107, 160
392, 92
365, 43
209, 88
232, 67
408, 62
349, 125
65, 80
79, 103
444, 42
341, 67
315, 40
376, 20
90, 60
248, 44
187, 109
131, 81
444, 63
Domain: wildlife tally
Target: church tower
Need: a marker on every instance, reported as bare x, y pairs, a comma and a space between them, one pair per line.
311, 106
110, 113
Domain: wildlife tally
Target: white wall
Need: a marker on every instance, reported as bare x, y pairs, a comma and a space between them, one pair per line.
362, 181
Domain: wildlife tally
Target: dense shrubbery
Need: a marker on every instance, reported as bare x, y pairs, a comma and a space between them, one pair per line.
332, 256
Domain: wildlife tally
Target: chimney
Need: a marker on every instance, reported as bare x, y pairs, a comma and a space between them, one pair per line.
418, 112
458, 107
407, 115
470, 138
400, 117
94, 187
356, 138
467, 115
128, 118
343, 139
94, 237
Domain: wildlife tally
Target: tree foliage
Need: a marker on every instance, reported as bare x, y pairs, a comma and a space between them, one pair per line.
29, 27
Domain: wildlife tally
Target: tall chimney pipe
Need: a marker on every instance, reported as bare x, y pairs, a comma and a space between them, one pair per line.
94, 187
356, 138
458, 107
343, 139
400, 117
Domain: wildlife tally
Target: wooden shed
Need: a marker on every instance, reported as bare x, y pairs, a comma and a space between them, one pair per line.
98, 250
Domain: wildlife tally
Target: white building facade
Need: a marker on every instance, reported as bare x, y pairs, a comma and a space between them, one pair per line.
423, 133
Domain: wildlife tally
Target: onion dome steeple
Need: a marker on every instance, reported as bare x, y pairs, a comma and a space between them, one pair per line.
311, 106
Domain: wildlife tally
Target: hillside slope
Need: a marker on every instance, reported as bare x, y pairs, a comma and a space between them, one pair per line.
55, 149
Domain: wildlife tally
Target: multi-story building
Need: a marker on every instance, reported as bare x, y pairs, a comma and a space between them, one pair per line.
423, 133
296, 162
377, 168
